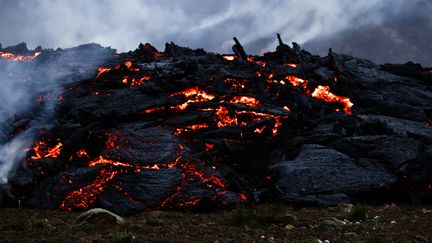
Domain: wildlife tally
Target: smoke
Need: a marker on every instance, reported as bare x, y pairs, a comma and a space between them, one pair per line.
17, 97
30, 92
211, 24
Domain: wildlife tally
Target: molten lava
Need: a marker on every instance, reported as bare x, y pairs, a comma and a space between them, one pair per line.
102, 70
194, 95
229, 57
86, 196
246, 100
293, 65
12, 57
296, 81
42, 150
323, 93
195, 127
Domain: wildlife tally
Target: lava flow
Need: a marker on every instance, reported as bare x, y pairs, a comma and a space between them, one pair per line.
13, 57
185, 129
42, 150
323, 93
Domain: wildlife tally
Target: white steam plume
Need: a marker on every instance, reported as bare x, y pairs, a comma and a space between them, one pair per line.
206, 23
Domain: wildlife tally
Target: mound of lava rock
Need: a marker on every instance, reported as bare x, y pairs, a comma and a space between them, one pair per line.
187, 129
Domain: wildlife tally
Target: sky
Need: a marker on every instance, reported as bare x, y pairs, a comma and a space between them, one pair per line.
382, 30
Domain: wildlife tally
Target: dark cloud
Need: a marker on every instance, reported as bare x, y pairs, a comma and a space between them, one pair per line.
383, 30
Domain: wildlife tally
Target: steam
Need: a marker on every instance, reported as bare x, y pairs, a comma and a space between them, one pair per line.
211, 24
30, 93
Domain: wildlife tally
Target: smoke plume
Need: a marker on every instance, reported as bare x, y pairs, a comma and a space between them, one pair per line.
385, 31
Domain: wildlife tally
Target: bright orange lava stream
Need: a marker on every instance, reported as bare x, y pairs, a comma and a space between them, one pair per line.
197, 94
12, 57
323, 93
42, 151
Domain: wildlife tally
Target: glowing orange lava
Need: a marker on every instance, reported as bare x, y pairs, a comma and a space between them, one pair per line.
229, 57
195, 127
12, 57
224, 119
42, 151
129, 65
102, 70
85, 197
246, 100
195, 95
82, 153
135, 81
296, 81
323, 93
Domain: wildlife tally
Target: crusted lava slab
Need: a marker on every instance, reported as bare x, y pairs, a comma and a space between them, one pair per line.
325, 176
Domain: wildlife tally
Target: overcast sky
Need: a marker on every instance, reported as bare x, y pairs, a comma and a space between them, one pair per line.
382, 30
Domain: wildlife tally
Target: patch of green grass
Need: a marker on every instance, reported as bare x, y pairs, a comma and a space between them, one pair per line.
306, 241
374, 239
358, 213
36, 222
19, 225
261, 217
123, 236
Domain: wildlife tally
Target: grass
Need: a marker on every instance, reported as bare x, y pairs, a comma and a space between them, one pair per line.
123, 236
261, 217
374, 239
306, 241
36, 222
358, 213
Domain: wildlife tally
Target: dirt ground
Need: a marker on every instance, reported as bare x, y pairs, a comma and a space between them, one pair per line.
264, 223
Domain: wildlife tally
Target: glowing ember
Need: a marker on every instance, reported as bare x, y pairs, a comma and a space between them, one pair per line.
82, 153
102, 70
236, 84
129, 65
195, 94
229, 57
208, 146
261, 63
243, 196
158, 54
41, 150
245, 100
296, 81
293, 65
323, 93
12, 57
151, 110
224, 119
179, 131
135, 81
278, 123
259, 130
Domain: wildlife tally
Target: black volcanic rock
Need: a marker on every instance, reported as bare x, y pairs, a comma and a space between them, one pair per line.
20, 49
186, 129
323, 176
